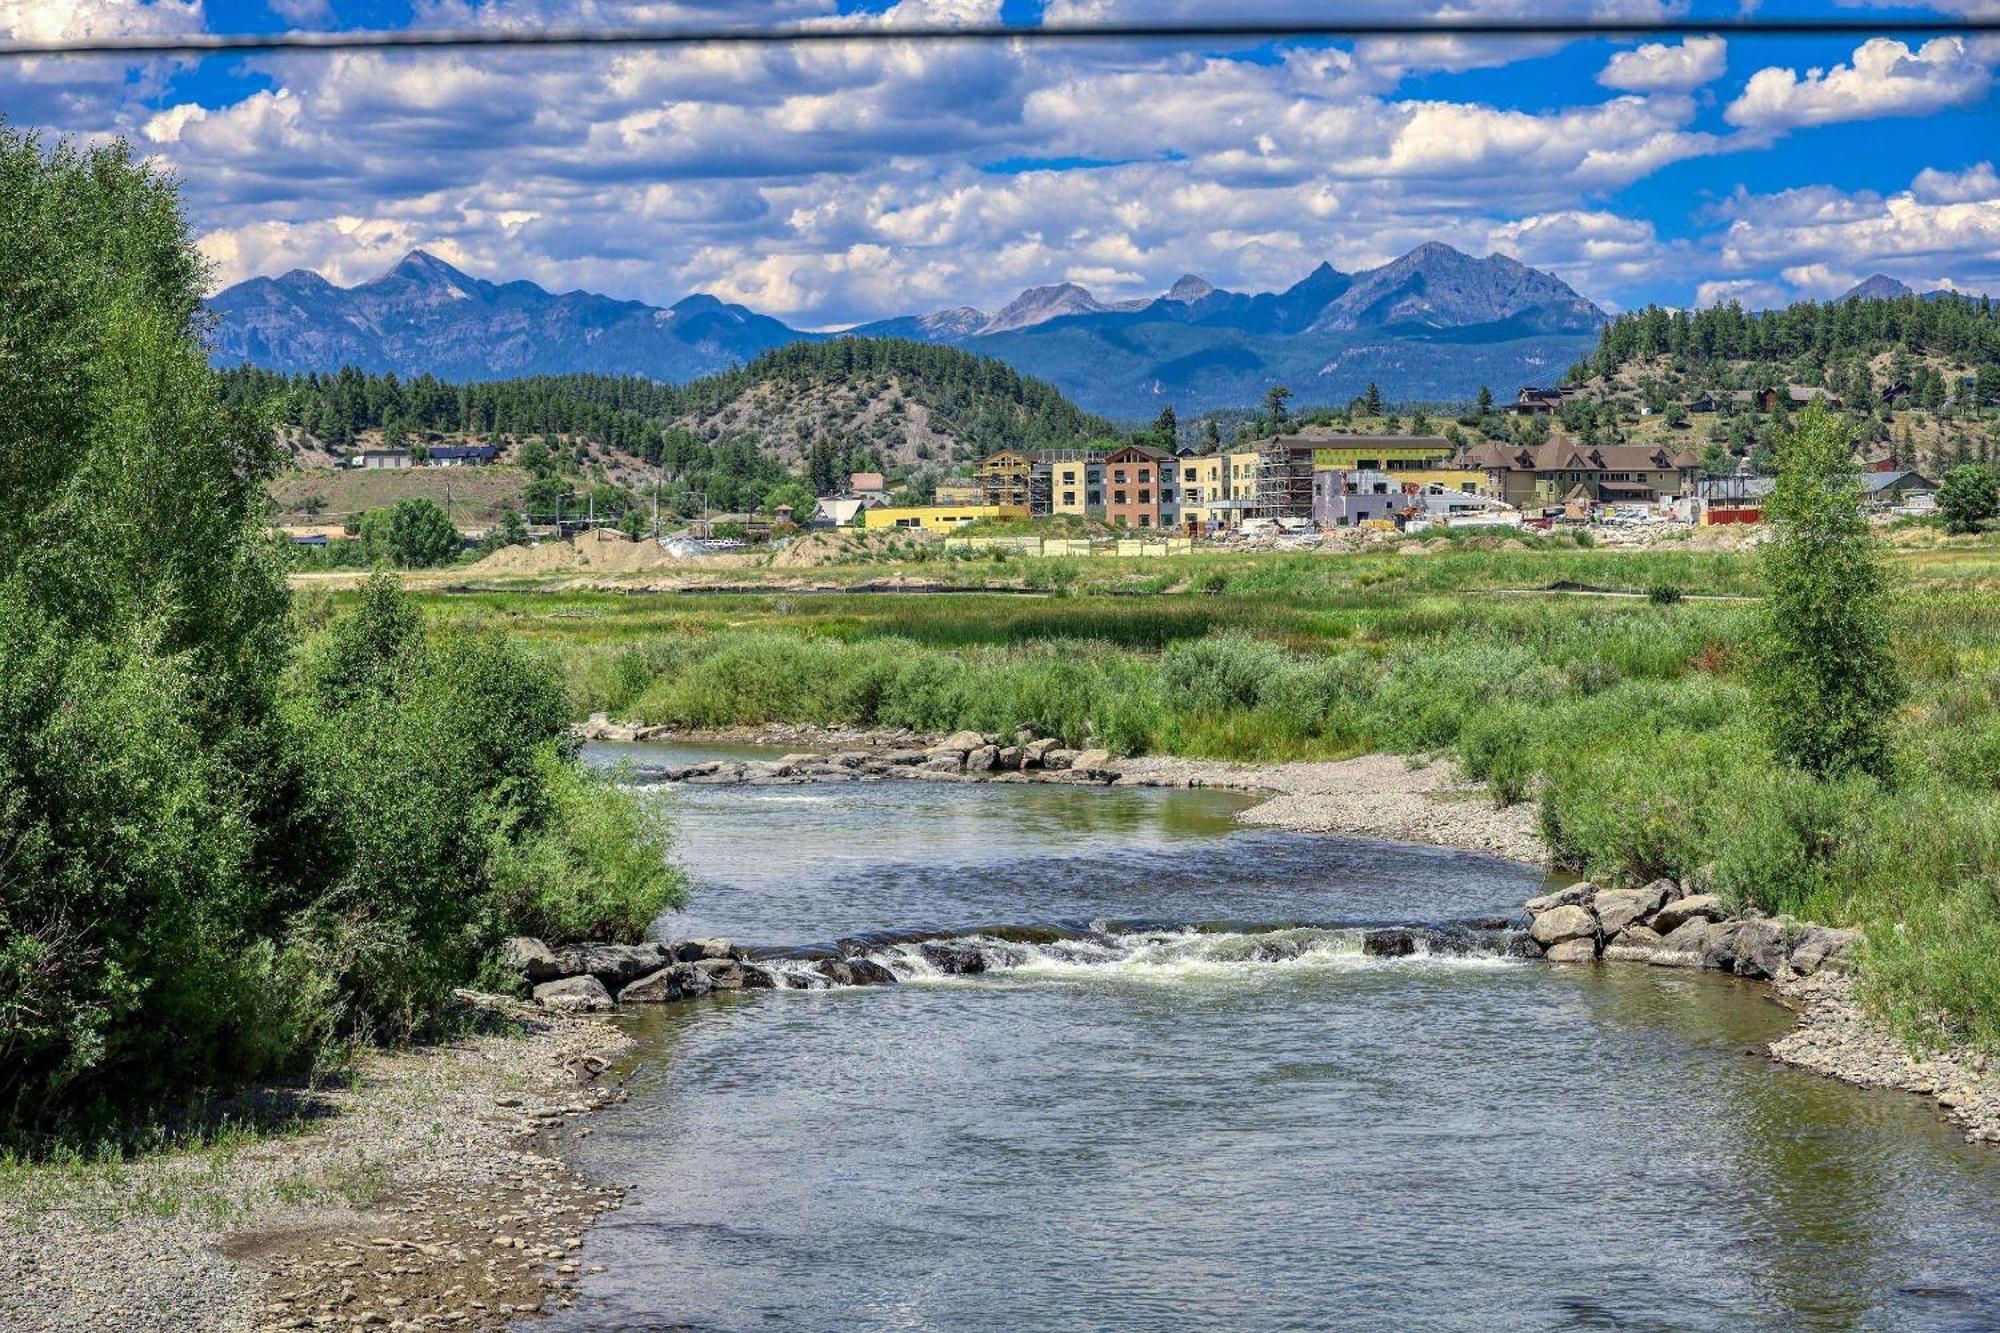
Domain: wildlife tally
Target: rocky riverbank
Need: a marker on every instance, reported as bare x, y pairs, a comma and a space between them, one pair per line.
1666, 924
1375, 796
424, 1192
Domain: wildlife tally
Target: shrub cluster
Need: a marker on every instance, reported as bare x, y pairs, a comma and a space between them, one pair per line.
226, 847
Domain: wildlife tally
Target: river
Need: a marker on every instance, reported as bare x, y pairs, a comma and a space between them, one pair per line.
1198, 1105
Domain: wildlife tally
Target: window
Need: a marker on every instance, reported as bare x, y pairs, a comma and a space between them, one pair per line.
1145, 474
1190, 475
1145, 497
1119, 475
1096, 498
1145, 520
1118, 497
1069, 497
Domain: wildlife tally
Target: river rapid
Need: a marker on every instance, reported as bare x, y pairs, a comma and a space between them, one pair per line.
1178, 1095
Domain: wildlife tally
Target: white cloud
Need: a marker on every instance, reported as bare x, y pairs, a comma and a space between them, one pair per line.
845, 182
1886, 78
1945, 228
1976, 182
1655, 67
86, 96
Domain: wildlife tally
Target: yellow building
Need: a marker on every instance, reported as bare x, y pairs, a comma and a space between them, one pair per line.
1414, 460
1076, 486
959, 493
937, 518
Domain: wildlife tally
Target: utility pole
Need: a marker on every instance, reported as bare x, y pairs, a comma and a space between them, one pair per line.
656, 502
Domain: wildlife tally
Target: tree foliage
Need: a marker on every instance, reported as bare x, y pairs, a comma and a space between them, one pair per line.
1967, 497
1825, 677
219, 855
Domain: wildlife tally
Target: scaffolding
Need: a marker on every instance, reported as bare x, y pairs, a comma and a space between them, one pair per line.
1284, 480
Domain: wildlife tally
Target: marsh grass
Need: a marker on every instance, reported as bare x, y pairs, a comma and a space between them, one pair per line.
1628, 718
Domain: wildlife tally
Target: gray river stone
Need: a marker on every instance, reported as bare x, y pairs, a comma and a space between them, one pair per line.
612, 964
1698, 906
1561, 924
1619, 908
578, 994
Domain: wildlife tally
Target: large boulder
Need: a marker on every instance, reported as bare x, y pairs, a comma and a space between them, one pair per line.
868, 972
943, 761
661, 987
1037, 750
585, 994
1694, 907
1619, 908
530, 958
1008, 758
1633, 944
961, 741
1094, 763
897, 758
722, 973
1754, 947
1572, 951
693, 951
612, 964
1685, 945
1057, 758
1821, 946
1560, 924
953, 959
1574, 896
982, 759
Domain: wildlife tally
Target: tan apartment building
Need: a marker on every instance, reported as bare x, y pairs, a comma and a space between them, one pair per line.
1540, 476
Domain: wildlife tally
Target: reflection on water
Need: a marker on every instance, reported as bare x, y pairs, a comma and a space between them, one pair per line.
1175, 1138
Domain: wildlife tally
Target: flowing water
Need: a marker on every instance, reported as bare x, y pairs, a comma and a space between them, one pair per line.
1180, 1096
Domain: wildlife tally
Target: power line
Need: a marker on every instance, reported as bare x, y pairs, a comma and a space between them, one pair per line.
200, 44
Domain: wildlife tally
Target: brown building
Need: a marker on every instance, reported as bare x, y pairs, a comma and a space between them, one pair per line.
1545, 475
1132, 480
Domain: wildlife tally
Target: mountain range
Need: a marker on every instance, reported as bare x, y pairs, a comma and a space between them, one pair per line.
1434, 324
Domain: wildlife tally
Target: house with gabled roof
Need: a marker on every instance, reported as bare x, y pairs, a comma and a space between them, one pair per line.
1540, 476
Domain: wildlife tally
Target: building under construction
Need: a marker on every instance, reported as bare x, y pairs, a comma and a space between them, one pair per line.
1285, 477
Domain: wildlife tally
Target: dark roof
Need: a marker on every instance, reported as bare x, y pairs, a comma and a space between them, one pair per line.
1907, 480
466, 451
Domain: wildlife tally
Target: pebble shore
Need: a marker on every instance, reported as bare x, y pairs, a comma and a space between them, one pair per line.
426, 1192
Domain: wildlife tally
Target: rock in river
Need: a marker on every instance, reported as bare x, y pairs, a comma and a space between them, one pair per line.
584, 994
1560, 924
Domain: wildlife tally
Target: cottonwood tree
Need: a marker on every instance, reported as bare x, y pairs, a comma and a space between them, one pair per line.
1823, 671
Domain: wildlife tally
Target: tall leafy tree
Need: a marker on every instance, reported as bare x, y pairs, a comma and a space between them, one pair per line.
1826, 682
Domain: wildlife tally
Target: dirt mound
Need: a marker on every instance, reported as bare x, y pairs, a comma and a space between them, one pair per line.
836, 548
606, 552
542, 558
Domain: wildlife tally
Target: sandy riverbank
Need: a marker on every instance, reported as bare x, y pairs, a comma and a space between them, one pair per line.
425, 1192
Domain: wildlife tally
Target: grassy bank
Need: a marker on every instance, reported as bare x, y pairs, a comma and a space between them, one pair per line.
1630, 718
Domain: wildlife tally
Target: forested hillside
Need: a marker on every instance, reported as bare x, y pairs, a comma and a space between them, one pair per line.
852, 404
1806, 343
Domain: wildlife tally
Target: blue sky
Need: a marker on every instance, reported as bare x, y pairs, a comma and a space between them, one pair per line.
835, 184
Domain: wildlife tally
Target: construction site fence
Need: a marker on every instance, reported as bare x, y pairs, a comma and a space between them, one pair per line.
1128, 547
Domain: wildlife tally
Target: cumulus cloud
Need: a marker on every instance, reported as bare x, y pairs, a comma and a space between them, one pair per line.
842, 182
1656, 67
87, 96
1944, 228
1886, 78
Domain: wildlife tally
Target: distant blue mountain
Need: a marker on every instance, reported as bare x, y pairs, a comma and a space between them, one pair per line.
425, 315
1433, 324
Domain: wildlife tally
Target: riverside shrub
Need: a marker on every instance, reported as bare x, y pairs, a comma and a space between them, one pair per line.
223, 856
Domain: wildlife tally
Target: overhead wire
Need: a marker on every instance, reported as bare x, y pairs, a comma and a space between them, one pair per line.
1260, 30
